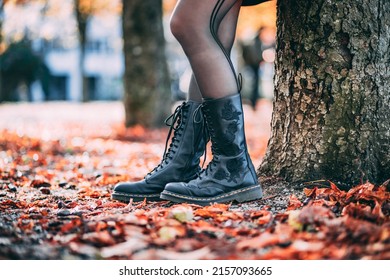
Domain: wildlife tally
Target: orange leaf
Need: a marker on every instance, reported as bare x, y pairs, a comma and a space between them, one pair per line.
334, 187
310, 192
202, 225
211, 211
264, 240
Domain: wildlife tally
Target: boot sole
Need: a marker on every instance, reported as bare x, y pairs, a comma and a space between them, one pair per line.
241, 195
126, 197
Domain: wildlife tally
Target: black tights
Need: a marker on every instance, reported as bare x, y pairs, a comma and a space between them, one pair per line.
206, 31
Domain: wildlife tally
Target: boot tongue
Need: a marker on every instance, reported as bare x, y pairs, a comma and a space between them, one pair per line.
174, 121
178, 119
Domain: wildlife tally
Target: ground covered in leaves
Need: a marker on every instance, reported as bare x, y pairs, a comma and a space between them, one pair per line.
59, 162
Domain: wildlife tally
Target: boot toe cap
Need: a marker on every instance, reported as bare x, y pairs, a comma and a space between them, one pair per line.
123, 187
193, 190
179, 188
141, 187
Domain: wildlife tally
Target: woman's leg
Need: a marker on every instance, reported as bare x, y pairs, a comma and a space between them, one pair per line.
194, 91
206, 31
226, 35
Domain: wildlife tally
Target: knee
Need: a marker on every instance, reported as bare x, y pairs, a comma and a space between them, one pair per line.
189, 31
180, 28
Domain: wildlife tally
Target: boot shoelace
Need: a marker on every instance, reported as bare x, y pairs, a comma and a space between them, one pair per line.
214, 148
178, 117
198, 112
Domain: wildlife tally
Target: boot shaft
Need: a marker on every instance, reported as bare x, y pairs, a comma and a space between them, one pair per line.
225, 123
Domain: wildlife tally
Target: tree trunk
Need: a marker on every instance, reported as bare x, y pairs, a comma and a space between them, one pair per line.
331, 115
146, 80
1, 51
82, 21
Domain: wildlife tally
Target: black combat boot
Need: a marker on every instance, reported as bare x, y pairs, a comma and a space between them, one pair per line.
230, 176
180, 162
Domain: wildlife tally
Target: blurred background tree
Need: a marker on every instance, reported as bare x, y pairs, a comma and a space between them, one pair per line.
83, 10
147, 94
1, 47
20, 67
2, 2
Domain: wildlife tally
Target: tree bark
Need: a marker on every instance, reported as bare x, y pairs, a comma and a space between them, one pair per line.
331, 115
147, 83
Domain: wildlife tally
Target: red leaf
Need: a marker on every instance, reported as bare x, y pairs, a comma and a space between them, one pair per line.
71, 225
364, 212
293, 203
263, 216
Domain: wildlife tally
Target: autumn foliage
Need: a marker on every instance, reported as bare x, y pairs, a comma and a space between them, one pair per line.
55, 204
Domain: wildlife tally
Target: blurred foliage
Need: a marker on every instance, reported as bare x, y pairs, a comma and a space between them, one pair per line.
20, 65
99, 6
17, 2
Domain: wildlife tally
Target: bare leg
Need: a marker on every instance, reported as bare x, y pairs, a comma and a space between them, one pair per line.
206, 31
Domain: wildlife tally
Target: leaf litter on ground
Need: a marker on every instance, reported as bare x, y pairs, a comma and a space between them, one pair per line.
55, 203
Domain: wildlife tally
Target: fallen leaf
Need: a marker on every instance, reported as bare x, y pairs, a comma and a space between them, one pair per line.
99, 238
202, 253
39, 184
123, 249
314, 215
263, 217
294, 203
264, 240
170, 233
304, 246
181, 213
211, 211
294, 221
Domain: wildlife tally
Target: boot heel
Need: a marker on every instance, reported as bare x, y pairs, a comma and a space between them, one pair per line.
251, 194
